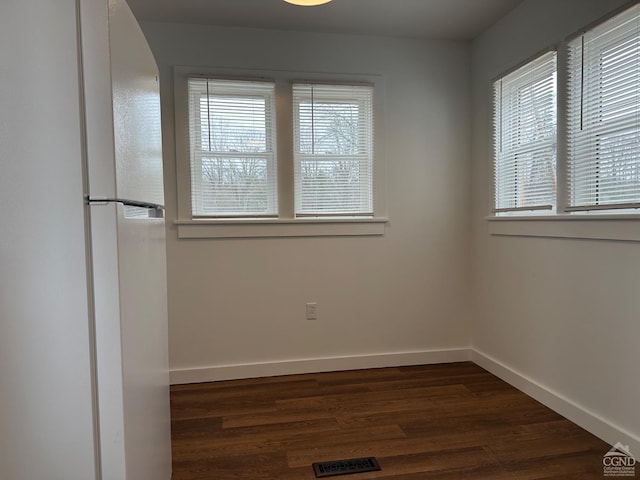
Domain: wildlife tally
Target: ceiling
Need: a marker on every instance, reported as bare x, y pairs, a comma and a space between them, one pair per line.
436, 19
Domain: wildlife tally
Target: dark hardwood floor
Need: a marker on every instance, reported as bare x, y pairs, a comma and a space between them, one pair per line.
449, 421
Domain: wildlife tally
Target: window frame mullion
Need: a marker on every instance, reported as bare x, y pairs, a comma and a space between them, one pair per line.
562, 176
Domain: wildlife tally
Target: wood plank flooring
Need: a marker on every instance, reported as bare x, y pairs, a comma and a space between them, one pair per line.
449, 421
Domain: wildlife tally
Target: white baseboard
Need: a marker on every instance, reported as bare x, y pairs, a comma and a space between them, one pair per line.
315, 365
579, 415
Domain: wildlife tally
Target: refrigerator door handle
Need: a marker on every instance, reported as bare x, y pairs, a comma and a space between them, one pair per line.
155, 210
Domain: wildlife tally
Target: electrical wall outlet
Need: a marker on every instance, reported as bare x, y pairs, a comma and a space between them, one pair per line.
312, 311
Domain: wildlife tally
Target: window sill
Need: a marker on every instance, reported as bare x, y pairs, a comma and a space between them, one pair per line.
280, 228
620, 227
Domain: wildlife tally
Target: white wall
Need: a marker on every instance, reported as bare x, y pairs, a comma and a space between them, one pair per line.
558, 317
242, 302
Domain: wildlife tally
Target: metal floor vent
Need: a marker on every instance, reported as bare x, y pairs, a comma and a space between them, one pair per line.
345, 467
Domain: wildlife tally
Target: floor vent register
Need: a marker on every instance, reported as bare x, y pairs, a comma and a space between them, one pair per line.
345, 467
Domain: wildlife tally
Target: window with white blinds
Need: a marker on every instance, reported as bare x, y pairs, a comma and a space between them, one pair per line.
525, 139
232, 148
604, 115
333, 150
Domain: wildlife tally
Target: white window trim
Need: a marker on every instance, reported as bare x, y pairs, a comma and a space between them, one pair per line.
591, 225
613, 226
286, 225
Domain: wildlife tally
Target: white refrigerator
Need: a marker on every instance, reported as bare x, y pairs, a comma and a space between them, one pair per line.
84, 384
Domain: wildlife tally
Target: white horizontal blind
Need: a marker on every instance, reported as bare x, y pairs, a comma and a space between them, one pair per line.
232, 148
333, 150
604, 115
525, 137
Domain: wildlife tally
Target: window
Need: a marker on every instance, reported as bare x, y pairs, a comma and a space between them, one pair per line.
262, 153
525, 137
600, 166
333, 150
604, 116
232, 148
